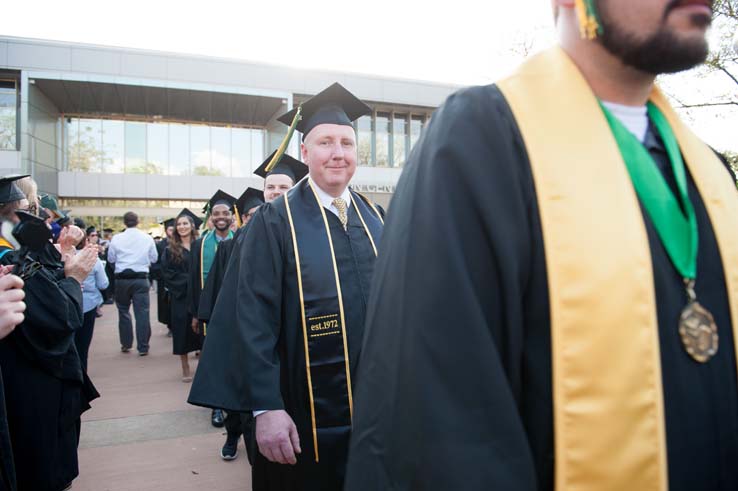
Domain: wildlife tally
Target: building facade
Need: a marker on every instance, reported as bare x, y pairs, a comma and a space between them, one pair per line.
110, 130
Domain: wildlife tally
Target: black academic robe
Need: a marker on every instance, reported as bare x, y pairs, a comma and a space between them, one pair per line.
454, 389
46, 390
261, 364
177, 277
214, 281
162, 294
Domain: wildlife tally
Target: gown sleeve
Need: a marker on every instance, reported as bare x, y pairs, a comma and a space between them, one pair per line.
436, 404
239, 367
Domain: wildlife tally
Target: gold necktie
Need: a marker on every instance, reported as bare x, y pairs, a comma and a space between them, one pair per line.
340, 205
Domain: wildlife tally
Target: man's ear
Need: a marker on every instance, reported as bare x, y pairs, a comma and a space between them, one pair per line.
303, 151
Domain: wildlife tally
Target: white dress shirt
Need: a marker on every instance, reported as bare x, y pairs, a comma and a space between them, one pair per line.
327, 202
132, 249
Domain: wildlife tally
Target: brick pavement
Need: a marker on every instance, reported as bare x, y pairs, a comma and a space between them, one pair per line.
141, 434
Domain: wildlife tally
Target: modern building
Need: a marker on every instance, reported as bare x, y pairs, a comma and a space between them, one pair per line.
110, 130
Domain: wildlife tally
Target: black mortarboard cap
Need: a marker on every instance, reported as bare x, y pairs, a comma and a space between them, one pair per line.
287, 165
31, 231
108, 230
195, 218
9, 191
250, 198
64, 218
221, 198
169, 222
334, 105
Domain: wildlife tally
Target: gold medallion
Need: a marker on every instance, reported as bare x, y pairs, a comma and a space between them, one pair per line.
698, 331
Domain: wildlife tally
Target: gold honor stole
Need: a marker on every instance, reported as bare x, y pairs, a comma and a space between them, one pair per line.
607, 387
322, 312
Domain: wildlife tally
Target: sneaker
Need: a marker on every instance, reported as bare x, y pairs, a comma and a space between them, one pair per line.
143, 353
123, 349
230, 449
216, 418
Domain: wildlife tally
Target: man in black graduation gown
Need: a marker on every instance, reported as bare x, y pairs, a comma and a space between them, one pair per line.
220, 214
276, 182
303, 278
524, 323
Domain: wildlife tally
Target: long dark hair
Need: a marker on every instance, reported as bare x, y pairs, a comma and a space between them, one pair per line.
176, 249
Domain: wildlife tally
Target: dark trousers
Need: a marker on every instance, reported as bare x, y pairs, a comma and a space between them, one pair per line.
233, 424
83, 336
136, 291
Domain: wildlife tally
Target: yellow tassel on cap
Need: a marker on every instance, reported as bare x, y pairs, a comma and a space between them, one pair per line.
589, 27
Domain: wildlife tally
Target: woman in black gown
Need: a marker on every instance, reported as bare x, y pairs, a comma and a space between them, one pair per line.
175, 264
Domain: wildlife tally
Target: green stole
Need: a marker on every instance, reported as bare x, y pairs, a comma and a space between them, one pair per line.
207, 254
322, 311
607, 388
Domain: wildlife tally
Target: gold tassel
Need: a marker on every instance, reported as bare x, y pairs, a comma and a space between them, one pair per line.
283, 146
238, 215
589, 27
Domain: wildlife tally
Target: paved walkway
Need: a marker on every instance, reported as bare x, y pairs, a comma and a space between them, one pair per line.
141, 434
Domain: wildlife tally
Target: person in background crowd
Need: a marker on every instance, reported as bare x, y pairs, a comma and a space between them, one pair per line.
175, 267
162, 294
91, 301
42, 373
109, 292
132, 252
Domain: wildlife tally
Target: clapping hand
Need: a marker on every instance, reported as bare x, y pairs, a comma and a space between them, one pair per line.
11, 301
78, 266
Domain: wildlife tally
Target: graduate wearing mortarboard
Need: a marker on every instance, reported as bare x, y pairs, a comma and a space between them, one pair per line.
303, 276
176, 262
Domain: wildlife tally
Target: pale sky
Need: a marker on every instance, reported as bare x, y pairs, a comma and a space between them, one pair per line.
461, 41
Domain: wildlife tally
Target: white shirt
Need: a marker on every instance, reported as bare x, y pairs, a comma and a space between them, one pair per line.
327, 202
132, 249
633, 118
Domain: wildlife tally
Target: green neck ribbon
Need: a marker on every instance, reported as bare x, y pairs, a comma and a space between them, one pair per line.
678, 233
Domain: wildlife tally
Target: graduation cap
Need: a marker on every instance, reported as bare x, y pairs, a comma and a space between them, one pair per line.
221, 198
31, 231
64, 218
249, 199
188, 213
49, 202
110, 230
287, 165
169, 222
9, 191
334, 105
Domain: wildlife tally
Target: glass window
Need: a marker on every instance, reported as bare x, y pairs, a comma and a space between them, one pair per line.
257, 148
241, 152
157, 145
72, 142
8, 115
113, 147
416, 127
399, 142
89, 154
383, 134
364, 137
179, 149
135, 134
200, 150
221, 150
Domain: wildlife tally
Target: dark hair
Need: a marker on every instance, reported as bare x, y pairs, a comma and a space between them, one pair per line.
175, 244
79, 222
90, 230
130, 219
